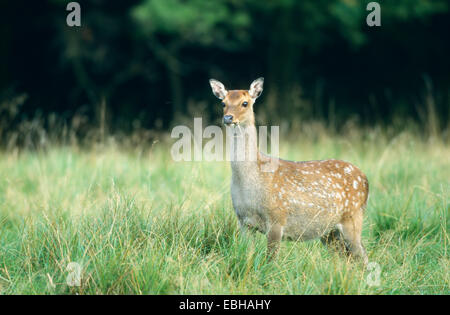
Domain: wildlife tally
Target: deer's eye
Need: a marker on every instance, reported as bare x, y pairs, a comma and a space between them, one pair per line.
223, 104
245, 104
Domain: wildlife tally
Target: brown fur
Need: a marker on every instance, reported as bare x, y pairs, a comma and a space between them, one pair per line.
293, 200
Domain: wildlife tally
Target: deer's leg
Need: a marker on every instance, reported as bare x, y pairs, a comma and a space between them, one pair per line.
351, 231
274, 236
333, 240
243, 229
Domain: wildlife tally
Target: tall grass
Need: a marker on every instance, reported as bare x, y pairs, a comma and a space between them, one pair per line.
139, 223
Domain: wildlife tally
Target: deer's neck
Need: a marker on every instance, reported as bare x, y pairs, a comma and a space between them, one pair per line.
244, 152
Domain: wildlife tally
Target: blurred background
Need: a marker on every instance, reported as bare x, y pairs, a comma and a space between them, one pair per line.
139, 67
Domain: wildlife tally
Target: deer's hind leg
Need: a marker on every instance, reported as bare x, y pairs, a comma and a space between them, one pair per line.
351, 232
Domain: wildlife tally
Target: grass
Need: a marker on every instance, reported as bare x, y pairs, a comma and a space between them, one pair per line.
138, 223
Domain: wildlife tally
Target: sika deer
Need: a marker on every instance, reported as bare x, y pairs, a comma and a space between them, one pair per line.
294, 200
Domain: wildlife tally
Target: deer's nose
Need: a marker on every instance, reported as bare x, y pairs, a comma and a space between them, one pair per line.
227, 119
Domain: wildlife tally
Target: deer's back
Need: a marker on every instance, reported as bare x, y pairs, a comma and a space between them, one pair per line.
307, 198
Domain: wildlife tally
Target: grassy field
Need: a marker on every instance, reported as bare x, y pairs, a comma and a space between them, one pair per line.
137, 222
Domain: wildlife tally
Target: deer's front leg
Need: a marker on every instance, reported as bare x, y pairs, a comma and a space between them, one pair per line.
243, 229
274, 236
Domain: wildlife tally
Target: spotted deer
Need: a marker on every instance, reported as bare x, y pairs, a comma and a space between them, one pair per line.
293, 200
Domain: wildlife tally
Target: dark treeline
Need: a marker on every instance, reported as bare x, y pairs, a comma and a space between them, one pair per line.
144, 63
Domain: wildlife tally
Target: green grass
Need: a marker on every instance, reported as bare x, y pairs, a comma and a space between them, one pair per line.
139, 223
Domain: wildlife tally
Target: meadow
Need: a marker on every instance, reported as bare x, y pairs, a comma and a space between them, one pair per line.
136, 222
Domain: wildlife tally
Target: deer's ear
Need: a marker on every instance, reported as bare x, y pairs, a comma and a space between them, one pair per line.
256, 88
218, 89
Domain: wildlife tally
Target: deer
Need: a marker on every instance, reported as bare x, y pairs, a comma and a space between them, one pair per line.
290, 200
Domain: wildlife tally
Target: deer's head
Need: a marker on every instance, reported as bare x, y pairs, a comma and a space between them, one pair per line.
238, 104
